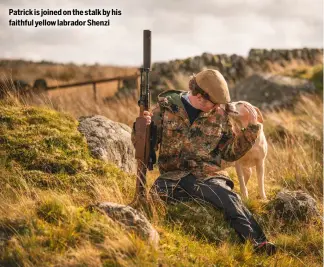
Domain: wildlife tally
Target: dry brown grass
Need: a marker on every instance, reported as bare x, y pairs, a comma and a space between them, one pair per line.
289, 66
82, 103
77, 101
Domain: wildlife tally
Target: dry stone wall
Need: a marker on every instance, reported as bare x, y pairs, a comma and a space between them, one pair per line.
233, 67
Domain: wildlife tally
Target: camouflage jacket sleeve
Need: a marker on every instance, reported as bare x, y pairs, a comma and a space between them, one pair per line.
233, 147
157, 119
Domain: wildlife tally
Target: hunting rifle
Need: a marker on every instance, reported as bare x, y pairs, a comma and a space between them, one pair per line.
145, 135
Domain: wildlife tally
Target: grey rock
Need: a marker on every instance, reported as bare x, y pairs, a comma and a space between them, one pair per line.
292, 205
305, 54
232, 72
40, 84
196, 64
207, 58
21, 85
270, 91
299, 54
109, 141
162, 68
273, 55
155, 67
132, 220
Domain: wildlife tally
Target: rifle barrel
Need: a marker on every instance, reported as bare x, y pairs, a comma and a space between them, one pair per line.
147, 49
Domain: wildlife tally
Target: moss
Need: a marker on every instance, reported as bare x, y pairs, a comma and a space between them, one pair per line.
47, 141
51, 211
317, 78
314, 74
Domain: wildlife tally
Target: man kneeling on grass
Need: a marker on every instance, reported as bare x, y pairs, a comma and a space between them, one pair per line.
194, 136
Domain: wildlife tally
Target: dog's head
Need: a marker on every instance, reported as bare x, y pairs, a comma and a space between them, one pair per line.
242, 112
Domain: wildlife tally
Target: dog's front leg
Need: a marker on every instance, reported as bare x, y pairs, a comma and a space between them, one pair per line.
240, 176
247, 172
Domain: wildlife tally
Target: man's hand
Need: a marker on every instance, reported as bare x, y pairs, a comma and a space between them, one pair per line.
147, 116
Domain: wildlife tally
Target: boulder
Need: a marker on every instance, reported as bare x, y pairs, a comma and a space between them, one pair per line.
131, 220
109, 141
40, 84
295, 205
269, 91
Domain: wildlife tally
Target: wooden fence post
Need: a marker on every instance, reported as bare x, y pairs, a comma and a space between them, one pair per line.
118, 85
94, 91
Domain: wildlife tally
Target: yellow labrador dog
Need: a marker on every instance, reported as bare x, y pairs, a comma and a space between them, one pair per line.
255, 157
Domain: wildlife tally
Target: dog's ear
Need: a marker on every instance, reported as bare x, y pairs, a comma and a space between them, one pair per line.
260, 117
230, 108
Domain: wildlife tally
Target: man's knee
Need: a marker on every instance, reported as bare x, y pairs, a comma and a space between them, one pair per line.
162, 189
223, 197
169, 191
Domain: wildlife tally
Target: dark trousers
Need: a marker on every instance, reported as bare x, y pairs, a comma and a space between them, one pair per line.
216, 192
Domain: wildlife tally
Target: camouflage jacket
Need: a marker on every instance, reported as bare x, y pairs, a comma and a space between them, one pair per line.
203, 148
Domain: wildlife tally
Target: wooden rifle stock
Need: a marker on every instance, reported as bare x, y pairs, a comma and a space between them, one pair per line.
143, 131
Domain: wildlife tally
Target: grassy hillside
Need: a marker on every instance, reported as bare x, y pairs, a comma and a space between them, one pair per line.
47, 178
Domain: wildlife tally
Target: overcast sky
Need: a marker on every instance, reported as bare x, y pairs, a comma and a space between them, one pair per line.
180, 29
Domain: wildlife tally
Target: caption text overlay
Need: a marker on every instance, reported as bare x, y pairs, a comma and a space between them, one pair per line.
61, 17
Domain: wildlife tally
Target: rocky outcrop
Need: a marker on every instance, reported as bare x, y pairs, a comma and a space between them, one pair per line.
268, 91
109, 141
295, 205
131, 220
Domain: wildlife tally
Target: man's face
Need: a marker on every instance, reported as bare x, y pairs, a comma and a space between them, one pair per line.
204, 104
